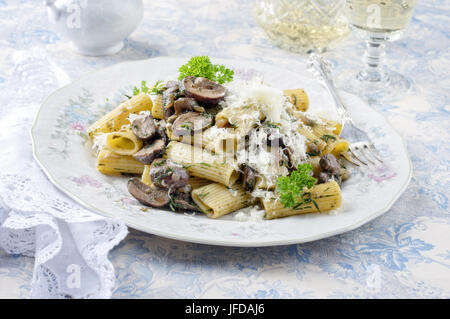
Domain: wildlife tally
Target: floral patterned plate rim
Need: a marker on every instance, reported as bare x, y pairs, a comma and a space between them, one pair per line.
60, 147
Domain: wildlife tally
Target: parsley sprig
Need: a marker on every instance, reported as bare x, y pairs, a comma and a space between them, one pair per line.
293, 188
156, 89
144, 88
201, 66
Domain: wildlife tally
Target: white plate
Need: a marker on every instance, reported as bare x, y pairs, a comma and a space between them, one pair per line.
61, 148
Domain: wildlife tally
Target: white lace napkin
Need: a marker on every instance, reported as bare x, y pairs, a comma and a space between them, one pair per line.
70, 244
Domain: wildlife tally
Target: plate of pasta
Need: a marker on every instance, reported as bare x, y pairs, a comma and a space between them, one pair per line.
232, 153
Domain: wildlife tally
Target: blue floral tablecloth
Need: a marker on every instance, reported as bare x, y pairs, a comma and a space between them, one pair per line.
403, 254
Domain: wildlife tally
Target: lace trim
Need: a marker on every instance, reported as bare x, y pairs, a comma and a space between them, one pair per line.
31, 226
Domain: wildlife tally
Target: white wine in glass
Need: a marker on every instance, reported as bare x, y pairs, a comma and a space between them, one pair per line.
377, 21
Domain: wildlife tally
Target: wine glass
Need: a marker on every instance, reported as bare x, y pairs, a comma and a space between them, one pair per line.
302, 25
377, 21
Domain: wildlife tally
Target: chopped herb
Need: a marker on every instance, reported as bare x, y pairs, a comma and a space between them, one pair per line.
234, 125
203, 195
160, 163
205, 164
187, 126
172, 204
270, 124
144, 89
157, 88
136, 91
313, 153
327, 137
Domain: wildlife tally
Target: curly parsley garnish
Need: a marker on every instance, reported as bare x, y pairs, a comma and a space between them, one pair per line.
144, 88
293, 188
201, 66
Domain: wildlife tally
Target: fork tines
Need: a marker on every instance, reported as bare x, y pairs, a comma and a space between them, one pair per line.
364, 152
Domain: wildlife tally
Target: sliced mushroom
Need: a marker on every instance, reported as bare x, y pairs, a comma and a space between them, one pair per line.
313, 149
150, 196
249, 178
182, 201
144, 127
172, 84
168, 99
330, 164
274, 137
323, 177
190, 123
150, 151
331, 168
203, 90
185, 104
167, 174
161, 130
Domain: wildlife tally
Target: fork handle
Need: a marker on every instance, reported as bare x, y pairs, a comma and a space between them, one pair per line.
323, 66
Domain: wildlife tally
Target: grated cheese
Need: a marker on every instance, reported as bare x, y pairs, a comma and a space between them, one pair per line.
251, 213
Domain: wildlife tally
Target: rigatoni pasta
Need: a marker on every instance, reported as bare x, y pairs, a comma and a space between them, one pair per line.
320, 198
110, 163
216, 149
118, 117
123, 142
217, 200
201, 163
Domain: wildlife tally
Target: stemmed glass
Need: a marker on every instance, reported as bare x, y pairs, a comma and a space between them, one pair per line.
377, 21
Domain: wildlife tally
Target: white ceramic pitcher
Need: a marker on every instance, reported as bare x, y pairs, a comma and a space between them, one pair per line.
95, 27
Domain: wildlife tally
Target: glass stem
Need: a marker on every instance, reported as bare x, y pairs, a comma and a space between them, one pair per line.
374, 61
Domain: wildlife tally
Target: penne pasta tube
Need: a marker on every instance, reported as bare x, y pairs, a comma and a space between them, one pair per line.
336, 147
298, 98
123, 142
158, 108
146, 176
202, 163
325, 196
110, 163
118, 117
217, 200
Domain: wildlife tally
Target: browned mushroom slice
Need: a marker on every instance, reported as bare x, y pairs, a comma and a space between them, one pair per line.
331, 168
182, 201
167, 174
191, 123
161, 130
249, 178
144, 127
150, 196
203, 90
172, 84
185, 104
151, 151
330, 164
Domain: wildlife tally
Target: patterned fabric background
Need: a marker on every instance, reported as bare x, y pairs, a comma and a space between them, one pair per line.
404, 253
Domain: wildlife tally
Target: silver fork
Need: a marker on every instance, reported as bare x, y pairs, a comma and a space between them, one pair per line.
361, 147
